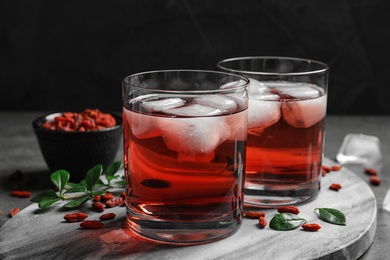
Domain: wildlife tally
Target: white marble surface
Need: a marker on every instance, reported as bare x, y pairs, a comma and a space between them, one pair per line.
42, 234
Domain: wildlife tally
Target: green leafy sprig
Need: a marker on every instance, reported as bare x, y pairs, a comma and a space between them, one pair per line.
79, 193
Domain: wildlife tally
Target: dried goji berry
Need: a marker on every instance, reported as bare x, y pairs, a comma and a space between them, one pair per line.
97, 198
98, 206
374, 180
75, 217
288, 209
335, 186
336, 167
262, 222
107, 216
91, 224
107, 196
324, 172
254, 214
21, 193
123, 195
311, 227
13, 212
113, 202
326, 168
371, 171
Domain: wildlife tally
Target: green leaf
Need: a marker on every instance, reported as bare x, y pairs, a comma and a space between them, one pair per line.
93, 175
46, 199
333, 216
77, 189
60, 178
47, 202
43, 195
99, 192
83, 183
100, 183
76, 202
286, 221
70, 185
120, 183
113, 168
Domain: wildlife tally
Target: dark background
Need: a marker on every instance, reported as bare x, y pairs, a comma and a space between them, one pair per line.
70, 55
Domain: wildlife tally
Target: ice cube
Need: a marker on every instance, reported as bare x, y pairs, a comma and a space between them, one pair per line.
238, 126
217, 101
239, 97
304, 113
233, 84
265, 96
193, 110
297, 90
193, 136
260, 91
257, 87
162, 104
142, 126
386, 201
263, 113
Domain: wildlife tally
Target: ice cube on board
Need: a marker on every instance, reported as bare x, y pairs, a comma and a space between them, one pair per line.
386, 201
162, 104
193, 136
142, 126
217, 101
263, 113
296, 90
361, 149
304, 113
193, 110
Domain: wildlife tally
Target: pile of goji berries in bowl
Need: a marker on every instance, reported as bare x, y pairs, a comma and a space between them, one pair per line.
77, 141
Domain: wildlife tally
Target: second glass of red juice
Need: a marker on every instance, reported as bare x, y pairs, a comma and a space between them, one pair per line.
286, 123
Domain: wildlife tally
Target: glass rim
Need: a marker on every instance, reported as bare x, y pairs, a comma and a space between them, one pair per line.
316, 71
239, 77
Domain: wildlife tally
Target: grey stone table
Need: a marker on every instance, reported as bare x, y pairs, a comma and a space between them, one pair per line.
36, 234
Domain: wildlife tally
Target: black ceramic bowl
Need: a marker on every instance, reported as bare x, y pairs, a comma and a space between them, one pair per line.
77, 152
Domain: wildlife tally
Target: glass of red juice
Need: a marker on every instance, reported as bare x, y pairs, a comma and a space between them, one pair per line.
185, 134
286, 120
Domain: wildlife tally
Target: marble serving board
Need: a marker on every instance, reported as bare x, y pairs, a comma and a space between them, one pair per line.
42, 234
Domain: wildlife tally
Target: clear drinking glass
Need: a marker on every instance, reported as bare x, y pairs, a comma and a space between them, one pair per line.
185, 137
287, 110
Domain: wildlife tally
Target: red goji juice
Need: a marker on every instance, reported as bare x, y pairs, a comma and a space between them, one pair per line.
184, 173
285, 142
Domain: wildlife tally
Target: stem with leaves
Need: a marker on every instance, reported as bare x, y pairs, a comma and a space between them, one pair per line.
79, 193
